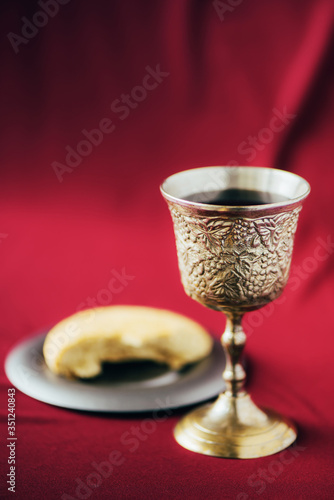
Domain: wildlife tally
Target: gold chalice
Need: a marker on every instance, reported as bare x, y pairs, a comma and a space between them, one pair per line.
234, 230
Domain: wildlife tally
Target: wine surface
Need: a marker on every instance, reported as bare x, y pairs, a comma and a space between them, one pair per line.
236, 197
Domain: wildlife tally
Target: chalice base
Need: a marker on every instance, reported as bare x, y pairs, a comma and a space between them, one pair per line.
234, 427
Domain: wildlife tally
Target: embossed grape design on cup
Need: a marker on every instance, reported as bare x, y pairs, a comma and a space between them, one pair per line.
234, 259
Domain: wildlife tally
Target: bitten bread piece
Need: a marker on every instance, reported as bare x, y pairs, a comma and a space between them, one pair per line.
77, 346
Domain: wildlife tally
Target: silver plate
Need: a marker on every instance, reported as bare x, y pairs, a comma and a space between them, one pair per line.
125, 387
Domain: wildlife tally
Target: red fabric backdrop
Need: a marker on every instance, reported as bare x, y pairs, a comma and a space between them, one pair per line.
230, 82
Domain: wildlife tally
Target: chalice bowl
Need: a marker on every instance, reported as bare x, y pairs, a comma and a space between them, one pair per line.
234, 229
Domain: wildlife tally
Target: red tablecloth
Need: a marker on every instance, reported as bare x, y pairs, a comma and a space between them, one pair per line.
169, 85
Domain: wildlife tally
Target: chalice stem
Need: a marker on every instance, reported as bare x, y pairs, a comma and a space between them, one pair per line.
233, 340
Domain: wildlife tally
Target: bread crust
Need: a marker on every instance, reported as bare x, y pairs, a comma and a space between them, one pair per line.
79, 344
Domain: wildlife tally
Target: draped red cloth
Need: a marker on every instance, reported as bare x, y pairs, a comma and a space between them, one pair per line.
100, 102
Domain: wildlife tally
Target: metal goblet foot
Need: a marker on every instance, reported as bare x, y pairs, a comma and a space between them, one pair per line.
233, 426
234, 258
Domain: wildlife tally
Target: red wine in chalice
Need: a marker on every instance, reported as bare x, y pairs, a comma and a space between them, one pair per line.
235, 197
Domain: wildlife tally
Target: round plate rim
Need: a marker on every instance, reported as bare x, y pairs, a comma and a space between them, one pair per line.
30, 377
